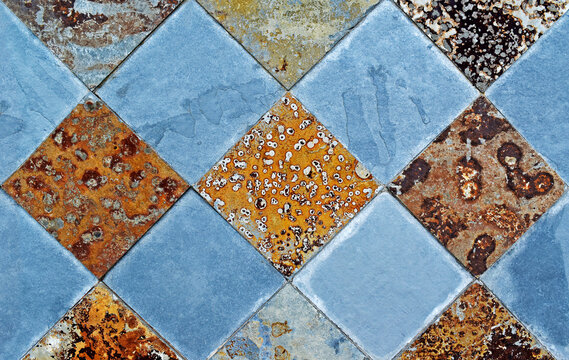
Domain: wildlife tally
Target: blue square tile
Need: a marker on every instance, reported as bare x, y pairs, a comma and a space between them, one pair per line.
194, 278
39, 280
532, 279
190, 91
36, 92
533, 94
385, 91
383, 278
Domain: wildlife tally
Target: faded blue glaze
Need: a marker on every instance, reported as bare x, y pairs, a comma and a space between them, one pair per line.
532, 279
385, 91
533, 95
383, 278
39, 280
191, 91
36, 92
194, 278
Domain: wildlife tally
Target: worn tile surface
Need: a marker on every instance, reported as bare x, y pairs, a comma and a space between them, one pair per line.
476, 326
478, 187
288, 37
95, 186
385, 102
382, 278
288, 327
483, 37
100, 326
288, 185
91, 37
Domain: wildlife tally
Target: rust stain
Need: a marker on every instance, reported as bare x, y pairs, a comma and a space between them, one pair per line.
95, 186
478, 187
288, 185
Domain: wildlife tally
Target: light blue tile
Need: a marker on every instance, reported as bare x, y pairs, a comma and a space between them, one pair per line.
383, 278
39, 280
194, 278
533, 95
191, 91
36, 92
385, 91
532, 279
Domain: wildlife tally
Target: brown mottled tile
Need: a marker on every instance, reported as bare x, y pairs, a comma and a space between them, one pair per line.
288, 185
478, 187
484, 37
476, 326
95, 186
101, 327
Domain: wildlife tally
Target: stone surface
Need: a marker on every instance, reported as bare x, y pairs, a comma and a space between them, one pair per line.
288, 327
288, 37
484, 37
533, 95
100, 326
95, 186
197, 279
476, 326
531, 280
288, 185
385, 102
92, 37
383, 278
39, 280
201, 100
478, 187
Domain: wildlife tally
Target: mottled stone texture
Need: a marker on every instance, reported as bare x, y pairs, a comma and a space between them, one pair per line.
288, 185
288, 37
484, 37
91, 37
100, 327
95, 186
478, 187
288, 327
476, 327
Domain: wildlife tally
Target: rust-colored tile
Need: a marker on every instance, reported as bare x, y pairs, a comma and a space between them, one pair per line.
288, 185
478, 187
476, 326
101, 327
95, 186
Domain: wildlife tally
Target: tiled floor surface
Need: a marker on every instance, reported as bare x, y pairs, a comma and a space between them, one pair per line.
287, 179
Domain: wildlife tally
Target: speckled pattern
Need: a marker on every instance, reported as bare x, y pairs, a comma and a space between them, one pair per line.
92, 37
95, 186
476, 326
478, 187
484, 37
288, 37
288, 185
101, 327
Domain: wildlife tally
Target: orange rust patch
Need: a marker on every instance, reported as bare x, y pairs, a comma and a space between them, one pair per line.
95, 186
288, 185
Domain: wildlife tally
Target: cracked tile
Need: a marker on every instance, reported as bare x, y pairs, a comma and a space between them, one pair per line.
476, 326
478, 187
483, 38
92, 37
95, 186
288, 185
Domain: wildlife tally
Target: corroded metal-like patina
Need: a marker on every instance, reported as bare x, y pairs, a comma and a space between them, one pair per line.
101, 327
478, 187
95, 186
288, 37
476, 326
288, 327
484, 37
288, 185
92, 37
